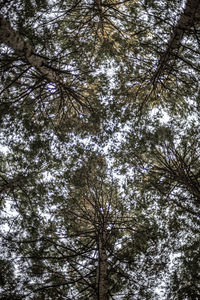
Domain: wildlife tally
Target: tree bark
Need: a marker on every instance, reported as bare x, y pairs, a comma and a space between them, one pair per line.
188, 18
25, 51
102, 269
13, 39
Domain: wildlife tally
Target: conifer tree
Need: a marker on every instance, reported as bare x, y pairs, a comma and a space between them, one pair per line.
99, 162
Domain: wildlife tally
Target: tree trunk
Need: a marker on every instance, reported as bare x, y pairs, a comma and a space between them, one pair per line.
25, 51
102, 281
13, 39
188, 18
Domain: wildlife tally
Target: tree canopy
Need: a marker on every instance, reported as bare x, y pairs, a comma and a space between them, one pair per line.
99, 149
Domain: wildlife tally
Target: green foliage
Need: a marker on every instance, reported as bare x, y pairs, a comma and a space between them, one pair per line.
99, 162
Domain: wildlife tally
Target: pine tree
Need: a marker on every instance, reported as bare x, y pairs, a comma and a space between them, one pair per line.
89, 245
98, 192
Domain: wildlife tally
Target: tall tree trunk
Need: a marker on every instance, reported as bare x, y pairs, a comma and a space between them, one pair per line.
26, 52
13, 39
188, 18
102, 284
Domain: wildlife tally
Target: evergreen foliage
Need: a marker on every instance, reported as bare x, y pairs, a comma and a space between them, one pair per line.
99, 149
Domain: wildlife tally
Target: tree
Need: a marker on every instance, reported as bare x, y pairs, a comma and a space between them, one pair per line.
95, 256
98, 191
168, 175
185, 25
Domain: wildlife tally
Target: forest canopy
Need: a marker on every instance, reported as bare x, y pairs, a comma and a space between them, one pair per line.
100, 149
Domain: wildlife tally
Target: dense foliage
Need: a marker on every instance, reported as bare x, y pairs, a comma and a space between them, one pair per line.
99, 156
